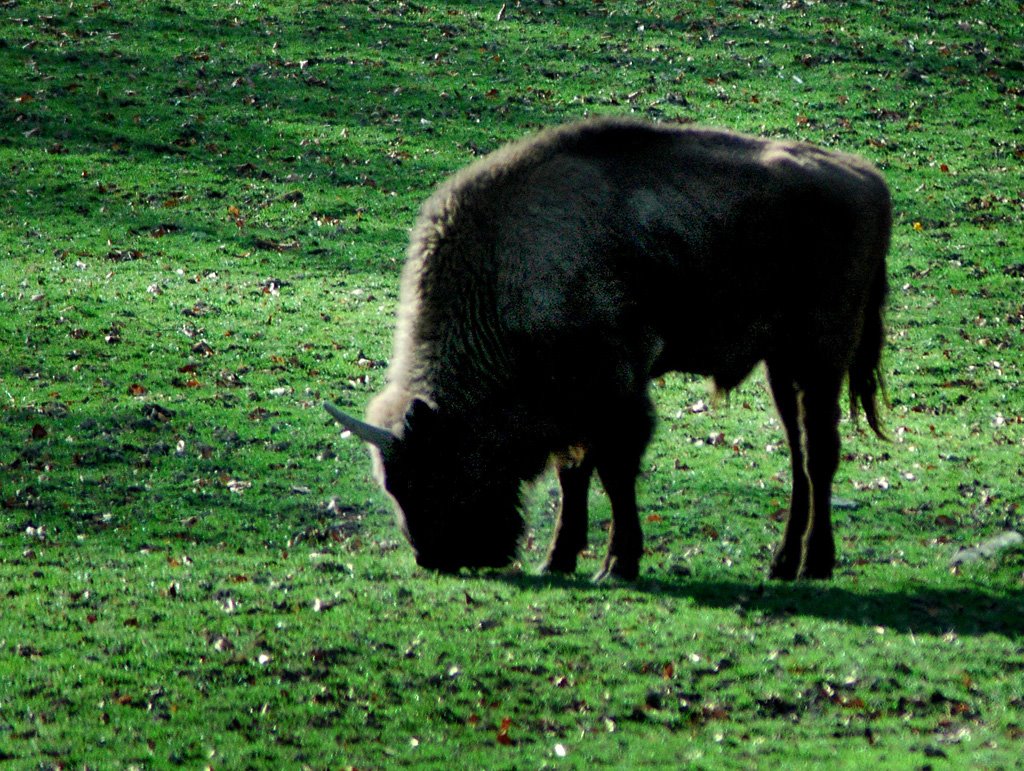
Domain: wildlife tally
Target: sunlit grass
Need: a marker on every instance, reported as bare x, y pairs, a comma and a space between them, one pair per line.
202, 218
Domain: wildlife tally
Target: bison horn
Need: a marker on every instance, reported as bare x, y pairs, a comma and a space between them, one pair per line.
380, 438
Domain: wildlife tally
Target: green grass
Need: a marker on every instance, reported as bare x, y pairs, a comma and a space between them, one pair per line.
203, 210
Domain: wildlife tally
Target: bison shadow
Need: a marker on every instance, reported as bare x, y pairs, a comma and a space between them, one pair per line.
968, 611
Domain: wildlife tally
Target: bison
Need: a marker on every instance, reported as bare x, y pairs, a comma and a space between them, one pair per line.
549, 282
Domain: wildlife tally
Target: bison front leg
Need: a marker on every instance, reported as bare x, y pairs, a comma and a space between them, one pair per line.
618, 465
625, 539
570, 536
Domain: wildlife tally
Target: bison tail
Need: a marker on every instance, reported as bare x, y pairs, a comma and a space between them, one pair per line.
866, 379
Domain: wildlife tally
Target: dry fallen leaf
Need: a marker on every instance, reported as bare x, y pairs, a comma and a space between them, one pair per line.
503, 737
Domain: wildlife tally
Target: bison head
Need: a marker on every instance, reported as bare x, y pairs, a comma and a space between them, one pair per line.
455, 500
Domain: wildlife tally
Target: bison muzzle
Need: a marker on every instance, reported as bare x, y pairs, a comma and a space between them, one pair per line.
548, 283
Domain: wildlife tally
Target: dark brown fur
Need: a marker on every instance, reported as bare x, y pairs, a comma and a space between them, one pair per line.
548, 283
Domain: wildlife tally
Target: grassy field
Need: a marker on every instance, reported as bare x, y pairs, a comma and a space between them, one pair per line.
203, 210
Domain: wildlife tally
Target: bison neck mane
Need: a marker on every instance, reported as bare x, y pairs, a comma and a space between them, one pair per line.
451, 346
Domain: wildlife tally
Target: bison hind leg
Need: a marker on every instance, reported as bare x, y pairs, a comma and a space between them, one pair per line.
810, 413
819, 418
809, 409
786, 562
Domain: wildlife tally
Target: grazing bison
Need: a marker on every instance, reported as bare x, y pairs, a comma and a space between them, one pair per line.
548, 283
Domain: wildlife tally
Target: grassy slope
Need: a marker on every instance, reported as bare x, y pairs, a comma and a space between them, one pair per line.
203, 213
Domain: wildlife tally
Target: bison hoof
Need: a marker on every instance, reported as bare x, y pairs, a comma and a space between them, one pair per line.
626, 569
783, 568
559, 566
815, 572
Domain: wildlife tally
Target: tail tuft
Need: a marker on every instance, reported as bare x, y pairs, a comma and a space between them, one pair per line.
866, 379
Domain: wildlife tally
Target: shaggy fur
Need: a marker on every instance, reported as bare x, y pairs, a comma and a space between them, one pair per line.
547, 284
